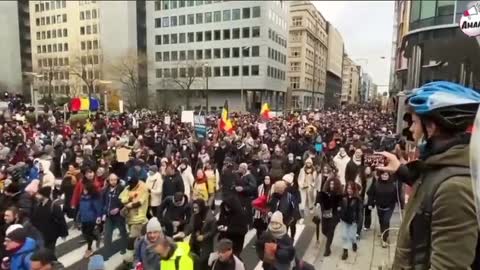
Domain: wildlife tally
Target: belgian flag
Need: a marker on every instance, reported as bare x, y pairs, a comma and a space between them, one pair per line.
265, 112
225, 123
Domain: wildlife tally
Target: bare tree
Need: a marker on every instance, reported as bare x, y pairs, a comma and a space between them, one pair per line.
127, 70
184, 77
85, 68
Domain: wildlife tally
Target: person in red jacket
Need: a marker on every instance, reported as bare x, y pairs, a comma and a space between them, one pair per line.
99, 182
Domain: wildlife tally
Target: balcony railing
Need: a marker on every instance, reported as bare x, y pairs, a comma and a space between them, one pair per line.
438, 20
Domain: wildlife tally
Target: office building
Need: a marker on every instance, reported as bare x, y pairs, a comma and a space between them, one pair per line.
333, 89
350, 82
15, 49
206, 52
76, 45
365, 88
307, 56
430, 45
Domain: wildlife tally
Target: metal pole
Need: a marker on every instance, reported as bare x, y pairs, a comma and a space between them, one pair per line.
313, 75
105, 100
241, 79
206, 94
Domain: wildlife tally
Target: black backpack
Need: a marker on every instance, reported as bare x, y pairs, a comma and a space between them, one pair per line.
421, 223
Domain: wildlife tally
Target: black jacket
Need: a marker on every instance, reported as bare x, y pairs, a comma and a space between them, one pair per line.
287, 204
249, 184
50, 221
350, 210
208, 230
329, 201
172, 184
169, 211
110, 199
235, 219
385, 194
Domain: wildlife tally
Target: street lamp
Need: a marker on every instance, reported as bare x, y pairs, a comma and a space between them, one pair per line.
104, 93
242, 108
206, 85
33, 101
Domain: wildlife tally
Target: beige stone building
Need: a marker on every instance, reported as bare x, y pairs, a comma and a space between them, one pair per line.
307, 56
350, 81
74, 44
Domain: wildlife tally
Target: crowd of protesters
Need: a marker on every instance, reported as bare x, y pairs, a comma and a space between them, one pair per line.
268, 174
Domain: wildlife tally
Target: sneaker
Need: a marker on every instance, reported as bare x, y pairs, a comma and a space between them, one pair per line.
358, 237
88, 253
345, 254
354, 247
366, 229
327, 252
384, 244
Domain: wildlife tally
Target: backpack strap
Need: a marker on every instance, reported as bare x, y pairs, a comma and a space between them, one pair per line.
421, 224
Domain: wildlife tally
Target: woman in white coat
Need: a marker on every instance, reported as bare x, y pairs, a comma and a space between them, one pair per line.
306, 184
154, 183
187, 176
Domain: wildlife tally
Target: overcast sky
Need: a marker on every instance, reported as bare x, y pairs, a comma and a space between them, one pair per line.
367, 29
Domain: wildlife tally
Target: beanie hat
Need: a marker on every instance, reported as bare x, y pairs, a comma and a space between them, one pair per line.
16, 234
32, 188
153, 225
288, 178
45, 191
96, 263
224, 245
276, 226
153, 168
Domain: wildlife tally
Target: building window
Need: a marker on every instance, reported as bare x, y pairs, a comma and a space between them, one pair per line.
190, 55
216, 53
190, 19
89, 30
166, 56
37, 7
199, 18
174, 55
158, 22
165, 22
181, 4
173, 4
183, 55
208, 17
235, 33
297, 21
226, 52
166, 39
158, 5
246, 32
256, 12
173, 21
87, 15
246, 13
208, 54
166, 5
183, 72
64, 18
255, 70
208, 35
181, 19
246, 51
217, 35
190, 3
216, 71
54, 33
82, 30
226, 15
226, 71
245, 70
182, 38
166, 73
174, 38
65, 47
199, 54
217, 16
226, 34
191, 37
235, 70
256, 31
199, 36
236, 52
199, 72
82, 46
236, 14
39, 36
158, 56
294, 82
94, 29
82, 15
255, 51
158, 73
94, 14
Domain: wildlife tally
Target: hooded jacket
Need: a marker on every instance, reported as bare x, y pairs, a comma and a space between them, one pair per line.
20, 260
454, 227
341, 164
138, 196
213, 262
154, 184
235, 219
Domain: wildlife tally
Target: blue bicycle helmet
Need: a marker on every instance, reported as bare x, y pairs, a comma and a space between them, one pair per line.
451, 105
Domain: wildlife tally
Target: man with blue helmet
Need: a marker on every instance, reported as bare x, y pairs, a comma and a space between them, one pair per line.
439, 230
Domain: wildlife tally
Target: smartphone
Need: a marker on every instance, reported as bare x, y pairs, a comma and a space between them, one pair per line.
375, 160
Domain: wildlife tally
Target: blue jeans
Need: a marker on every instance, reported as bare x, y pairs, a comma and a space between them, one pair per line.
112, 223
384, 216
349, 234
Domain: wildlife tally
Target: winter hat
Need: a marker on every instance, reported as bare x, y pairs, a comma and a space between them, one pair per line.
288, 178
153, 168
32, 188
16, 234
45, 191
154, 225
276, 226
96, 263
224, 245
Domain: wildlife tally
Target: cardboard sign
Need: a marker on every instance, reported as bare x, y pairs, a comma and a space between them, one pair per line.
167, 120
187, 117
200, 126
123, 154
261, 128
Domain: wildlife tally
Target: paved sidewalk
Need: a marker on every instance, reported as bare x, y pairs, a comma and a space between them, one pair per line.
370, 254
